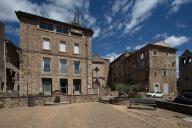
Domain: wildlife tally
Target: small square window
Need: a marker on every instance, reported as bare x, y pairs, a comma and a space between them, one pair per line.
154, 52
46, 43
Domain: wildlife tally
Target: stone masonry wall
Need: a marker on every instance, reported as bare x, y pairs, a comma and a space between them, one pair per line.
29, 32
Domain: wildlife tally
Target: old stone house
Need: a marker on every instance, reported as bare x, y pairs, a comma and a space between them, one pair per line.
55, 56
117, 69
9, 63
185, 71
100, 71
153, 67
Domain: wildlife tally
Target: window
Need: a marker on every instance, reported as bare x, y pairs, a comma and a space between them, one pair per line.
64, 86
154, 52
62, 46
76, 48
63, 66
61, 29
183, 61
173, 64
46, 26
46, 44
189, 60
76, 86
142, 56
77, 67
46, 64
47, 86
164, 73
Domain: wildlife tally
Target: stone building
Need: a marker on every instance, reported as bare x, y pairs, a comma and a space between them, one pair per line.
9, 64
55, 56
153, 67
117, 69
185, 71
100, 71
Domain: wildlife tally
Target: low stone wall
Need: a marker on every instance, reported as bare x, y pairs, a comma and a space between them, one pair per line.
176, 107
41, 100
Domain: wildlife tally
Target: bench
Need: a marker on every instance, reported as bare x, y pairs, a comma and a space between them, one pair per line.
137, 101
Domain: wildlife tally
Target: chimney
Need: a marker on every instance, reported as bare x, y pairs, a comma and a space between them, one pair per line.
2, 30
76, 19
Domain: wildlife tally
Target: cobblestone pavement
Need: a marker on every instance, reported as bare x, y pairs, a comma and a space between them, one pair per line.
86, 115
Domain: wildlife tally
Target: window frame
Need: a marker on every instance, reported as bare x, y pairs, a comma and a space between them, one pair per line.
49, 43
62, 28
75, 45
46, 27
74, 71
154, 51
61, 66
64, 43
43, 65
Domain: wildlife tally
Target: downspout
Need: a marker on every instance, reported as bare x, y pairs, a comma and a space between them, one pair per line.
86, 67
27, 57
5, 65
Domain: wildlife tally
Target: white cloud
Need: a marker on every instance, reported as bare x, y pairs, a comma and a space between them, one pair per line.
140, 12
96, 32
176, 4
112, 56
123, 5
174, 41
62, 10
108, 18
162, 35
180, 25
139, 46
128, 48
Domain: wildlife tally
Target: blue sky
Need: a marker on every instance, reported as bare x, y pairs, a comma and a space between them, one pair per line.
119, 25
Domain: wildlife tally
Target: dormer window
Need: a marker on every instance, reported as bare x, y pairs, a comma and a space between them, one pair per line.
61, 29
47, 26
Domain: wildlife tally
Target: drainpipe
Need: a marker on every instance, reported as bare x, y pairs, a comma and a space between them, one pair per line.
5, 65
27, 57
86, 67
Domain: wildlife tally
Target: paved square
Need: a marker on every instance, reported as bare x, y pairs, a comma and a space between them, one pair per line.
86, 115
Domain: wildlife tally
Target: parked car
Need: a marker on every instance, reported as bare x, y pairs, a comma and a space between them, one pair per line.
154, 94
184, 98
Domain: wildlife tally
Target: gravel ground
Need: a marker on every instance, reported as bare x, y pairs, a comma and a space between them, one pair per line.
88, 115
